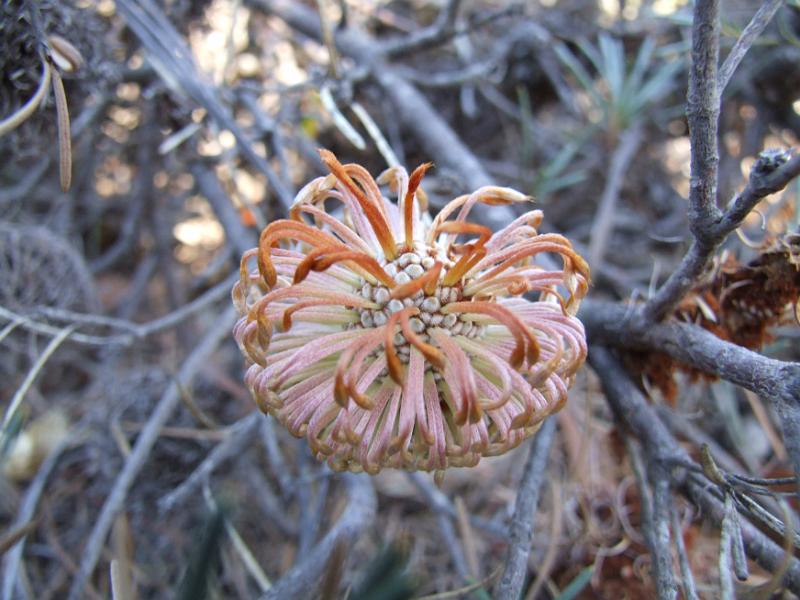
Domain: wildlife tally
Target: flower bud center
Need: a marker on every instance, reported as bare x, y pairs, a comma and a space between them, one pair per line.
405, 268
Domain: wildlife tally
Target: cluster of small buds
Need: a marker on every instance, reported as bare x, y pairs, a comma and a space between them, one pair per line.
405, 268
771, 159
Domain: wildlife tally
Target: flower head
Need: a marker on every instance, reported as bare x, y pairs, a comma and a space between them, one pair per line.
387, 342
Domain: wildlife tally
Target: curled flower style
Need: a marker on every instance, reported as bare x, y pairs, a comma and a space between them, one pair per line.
386, 342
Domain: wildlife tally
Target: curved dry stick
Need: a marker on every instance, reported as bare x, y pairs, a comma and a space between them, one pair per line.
16, 118
748, 36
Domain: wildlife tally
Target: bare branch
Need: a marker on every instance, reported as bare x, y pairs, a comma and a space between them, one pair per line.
708, 224
774, 380
603, 222
621, 326
725, 538
662, 556
655, 515
702, 112
238, 436
521, 528
687, 578
759, 186
749, 35
694, 262
759, 547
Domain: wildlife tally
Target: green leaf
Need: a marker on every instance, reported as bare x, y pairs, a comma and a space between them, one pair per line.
613, 66
580, 73
203, 562
636, 76
576, 585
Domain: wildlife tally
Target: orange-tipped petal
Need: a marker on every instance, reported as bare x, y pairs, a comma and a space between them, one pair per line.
408, 205
393, 363
426, 282
287, 229
371, 210
514, 324
430, 287
366, 262
431, 353
321, 259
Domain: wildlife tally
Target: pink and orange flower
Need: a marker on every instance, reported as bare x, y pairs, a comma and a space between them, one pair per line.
376, 335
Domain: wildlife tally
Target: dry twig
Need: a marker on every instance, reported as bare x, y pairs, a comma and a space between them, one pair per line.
301, 580
521, 528
239, 435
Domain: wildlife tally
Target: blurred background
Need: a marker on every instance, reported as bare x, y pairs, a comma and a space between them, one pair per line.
192, 125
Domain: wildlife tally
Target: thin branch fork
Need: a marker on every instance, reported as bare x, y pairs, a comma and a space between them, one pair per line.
774, 380
702, 112
640, 418
696, 259
759, 186
709, 225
